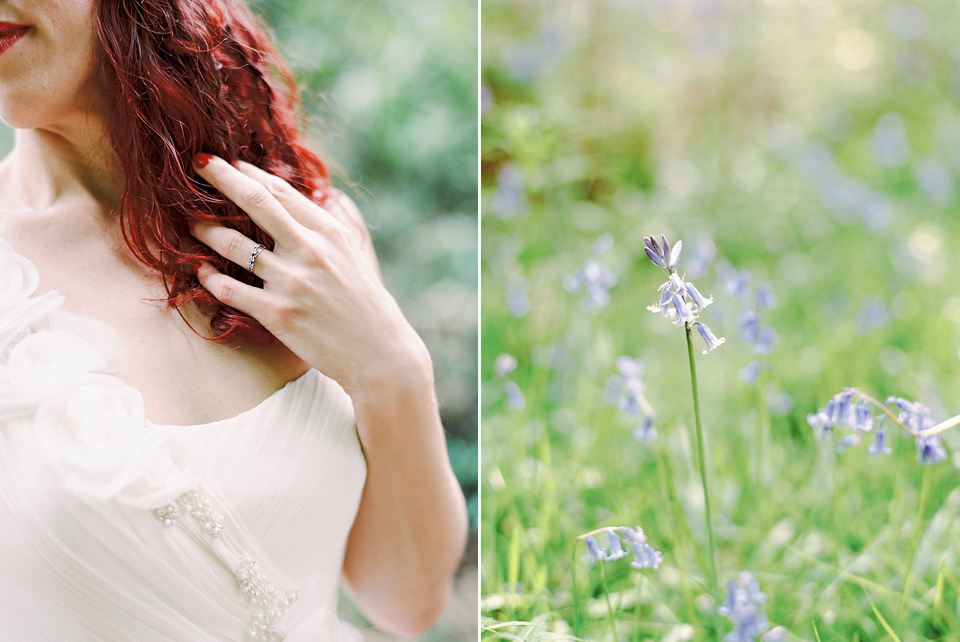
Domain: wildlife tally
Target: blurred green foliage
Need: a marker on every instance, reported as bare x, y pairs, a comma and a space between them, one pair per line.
815, 144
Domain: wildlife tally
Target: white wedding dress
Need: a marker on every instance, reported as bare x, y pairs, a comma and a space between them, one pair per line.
114, 528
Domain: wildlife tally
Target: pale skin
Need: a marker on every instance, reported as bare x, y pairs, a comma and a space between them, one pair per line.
323, 299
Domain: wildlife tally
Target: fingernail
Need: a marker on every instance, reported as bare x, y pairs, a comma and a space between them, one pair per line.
201, 160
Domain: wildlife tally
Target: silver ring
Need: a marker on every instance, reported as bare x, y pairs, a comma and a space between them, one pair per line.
253, 256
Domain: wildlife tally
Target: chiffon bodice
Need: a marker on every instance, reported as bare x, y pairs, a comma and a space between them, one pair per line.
117, 528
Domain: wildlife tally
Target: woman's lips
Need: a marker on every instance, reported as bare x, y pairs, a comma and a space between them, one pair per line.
10, 33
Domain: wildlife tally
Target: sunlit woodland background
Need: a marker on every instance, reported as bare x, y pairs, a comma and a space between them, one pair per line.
814, 144
391, 91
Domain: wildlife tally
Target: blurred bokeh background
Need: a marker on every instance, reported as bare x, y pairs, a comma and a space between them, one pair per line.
391, 90
812, 146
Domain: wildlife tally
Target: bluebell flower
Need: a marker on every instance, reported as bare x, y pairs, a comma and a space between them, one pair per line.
847, 441
486, 99
699, 258
625, 390
749, 374
646, 431
630, 368
593, 278
696, 297
888, 142
623, 540
879, 446
821, 424
595, 553
504, 365
616, 549
929, 450
749, 324
862, 421
602, 245
743, 606
737, 283
765, 297
765, 341
644, 555
873, 314
509, 199
711, 340
851, 409
936, 181
515, 399
908, 21
678, 300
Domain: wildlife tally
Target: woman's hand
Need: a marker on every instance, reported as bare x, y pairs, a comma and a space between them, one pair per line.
322, 295
323, 298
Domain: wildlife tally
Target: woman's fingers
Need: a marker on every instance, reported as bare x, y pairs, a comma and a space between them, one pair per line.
252, 197
255, 302
305, 211
235, 247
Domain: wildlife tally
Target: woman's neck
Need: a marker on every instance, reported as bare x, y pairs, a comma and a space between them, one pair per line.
61, 164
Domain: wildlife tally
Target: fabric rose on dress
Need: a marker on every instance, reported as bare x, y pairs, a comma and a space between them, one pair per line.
92, 431
46, 358
19, 279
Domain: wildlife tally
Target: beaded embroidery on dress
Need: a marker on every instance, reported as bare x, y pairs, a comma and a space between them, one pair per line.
115, 528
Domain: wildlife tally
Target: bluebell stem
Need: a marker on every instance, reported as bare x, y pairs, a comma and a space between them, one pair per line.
687, 313
594, 279
851, 409
623, 540
743, 606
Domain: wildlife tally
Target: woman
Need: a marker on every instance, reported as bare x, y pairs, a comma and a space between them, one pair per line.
181, 469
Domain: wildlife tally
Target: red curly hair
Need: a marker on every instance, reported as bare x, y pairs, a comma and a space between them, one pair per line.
189, 76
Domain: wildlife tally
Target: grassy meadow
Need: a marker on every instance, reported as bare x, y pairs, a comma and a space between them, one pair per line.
804, 149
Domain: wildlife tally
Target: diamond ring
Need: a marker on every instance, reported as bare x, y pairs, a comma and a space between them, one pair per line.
253, 256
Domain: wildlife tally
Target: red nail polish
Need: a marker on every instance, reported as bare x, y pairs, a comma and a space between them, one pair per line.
201, 160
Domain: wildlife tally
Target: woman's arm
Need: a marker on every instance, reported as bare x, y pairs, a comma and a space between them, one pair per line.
411, 528
324, 299
410, 531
